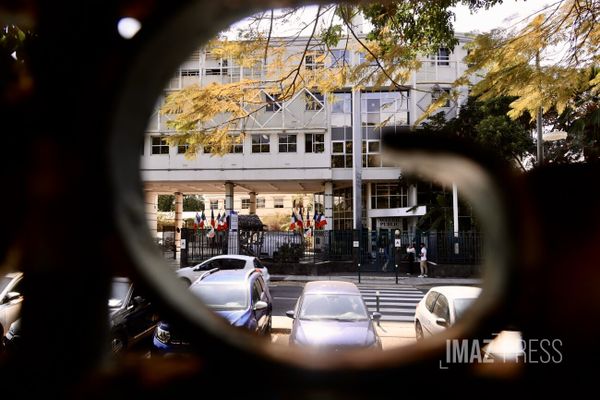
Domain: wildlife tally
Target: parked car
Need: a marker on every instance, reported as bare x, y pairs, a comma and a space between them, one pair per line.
132, 316
11, 299
332, 315
224, 262
240, 296
441, 307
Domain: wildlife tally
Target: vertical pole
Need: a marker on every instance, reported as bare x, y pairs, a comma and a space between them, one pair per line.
151, 203
252, 210
396, 273
377, 302
356, 161
178, 223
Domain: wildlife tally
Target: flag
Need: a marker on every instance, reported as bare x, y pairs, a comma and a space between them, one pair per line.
224, 223
293, 221
197, 221
218, 221
299, 219
202, 219
307, 218
212, 218
322, 220
315, 219
211, 233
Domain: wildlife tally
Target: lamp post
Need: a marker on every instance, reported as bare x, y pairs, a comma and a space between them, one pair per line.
552, 136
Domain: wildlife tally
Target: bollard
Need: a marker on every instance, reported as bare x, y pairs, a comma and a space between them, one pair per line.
358, 273
377, 303
396, 274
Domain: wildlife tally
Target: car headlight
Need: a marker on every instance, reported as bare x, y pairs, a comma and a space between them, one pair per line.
163, 335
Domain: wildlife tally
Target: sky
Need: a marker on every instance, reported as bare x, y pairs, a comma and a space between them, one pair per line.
502, 15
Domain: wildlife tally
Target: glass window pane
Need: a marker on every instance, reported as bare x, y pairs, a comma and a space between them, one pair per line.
338, 147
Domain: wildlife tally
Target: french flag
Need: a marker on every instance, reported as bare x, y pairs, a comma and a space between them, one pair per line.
293, 222
202, 219
212, 218
299, 219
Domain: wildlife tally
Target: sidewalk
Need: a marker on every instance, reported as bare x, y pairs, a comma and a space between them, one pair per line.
392, 334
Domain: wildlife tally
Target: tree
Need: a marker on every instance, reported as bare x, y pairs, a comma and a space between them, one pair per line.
217, 115
166, 202
193, 203
547, 65
486, 123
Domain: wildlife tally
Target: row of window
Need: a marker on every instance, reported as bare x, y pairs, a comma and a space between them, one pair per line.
260, 203
313, 143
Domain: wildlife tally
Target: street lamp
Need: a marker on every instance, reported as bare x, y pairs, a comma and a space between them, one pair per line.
552, 136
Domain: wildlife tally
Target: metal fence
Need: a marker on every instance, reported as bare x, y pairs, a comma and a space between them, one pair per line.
374, 250
165, 239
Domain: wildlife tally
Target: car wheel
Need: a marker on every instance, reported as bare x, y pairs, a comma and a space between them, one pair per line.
118, 344
419, 331
186, 281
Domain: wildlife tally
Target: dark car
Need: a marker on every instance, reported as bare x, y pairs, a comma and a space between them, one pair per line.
332, 315
132, 318
240, 296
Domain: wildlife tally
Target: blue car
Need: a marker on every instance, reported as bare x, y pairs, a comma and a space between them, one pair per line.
240, 296
332, 316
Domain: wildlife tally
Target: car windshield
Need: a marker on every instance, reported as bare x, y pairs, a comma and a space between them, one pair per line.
118, 292
340, 307
222, 297
460, 306
4, 283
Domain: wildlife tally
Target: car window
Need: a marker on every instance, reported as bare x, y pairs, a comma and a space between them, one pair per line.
18, 287
4, 282
430, 300
333, 306
222, 297
232, 263
441, 308
118, 293
460, 306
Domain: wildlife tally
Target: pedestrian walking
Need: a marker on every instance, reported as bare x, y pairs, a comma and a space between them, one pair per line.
423, 259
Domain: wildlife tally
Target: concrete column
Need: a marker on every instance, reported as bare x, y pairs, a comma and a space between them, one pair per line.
228, 197
328, 200
151, 206
412, 201
178, 223
252, 203
356, 160
455, 208
369, 219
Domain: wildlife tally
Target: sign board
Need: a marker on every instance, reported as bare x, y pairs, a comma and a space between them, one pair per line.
389, 223
233, 220
397, 242
182, 246
355, 243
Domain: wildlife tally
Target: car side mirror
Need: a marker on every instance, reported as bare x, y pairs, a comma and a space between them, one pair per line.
441, 322
376, 316
10, 296
290, 314
260, 305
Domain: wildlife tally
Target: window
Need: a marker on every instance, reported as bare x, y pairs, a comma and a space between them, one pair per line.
287, 143
388, 195
342, 103
314, 101
159, 145
256, 292
278, 202
443, 56
260, 202
339, 58
236, 148
430, 300
214, 204
441, 309
314, 61
190, 72
341, 147
314, 142
260, 144
272, 102
245, 204
182, 148
437, 92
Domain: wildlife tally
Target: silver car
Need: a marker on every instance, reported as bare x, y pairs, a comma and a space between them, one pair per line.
332, 315
224, 262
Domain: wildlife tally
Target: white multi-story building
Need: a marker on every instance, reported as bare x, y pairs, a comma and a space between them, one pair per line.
303, 145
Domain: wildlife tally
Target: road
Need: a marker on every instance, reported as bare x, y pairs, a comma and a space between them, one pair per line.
396, 302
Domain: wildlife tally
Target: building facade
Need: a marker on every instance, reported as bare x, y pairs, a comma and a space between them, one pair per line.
303, 145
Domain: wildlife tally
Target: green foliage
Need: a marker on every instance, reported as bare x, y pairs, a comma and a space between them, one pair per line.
193, 203
487, 124
290, 252
166, 202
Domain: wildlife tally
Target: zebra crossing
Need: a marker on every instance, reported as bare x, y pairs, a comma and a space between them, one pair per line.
396, 303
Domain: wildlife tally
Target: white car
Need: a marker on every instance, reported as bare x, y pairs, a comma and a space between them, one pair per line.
224, 262
441, 307
10, 299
